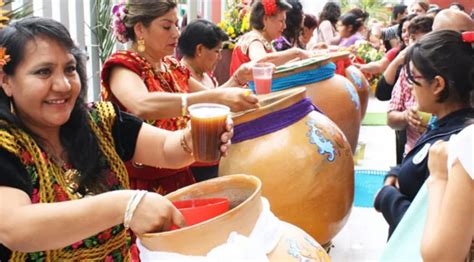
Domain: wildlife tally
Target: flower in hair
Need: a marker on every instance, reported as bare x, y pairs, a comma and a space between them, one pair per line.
119, 12
4, 58
269, 7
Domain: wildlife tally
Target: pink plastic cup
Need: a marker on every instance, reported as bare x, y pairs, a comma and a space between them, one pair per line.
262, 77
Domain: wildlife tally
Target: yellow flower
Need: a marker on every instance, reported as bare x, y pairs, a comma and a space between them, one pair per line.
231, 46
230, 30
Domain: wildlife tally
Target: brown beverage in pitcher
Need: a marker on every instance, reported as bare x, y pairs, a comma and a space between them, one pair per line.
207, 125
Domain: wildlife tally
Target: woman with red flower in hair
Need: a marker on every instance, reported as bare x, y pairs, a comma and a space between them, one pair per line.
267, 20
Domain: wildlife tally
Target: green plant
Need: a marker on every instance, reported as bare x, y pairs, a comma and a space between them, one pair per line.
375, 8
236, 22
20, 12
102, 29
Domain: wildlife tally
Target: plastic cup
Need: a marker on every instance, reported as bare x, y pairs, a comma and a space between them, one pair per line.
208, 122
262, 77
425, 117
199, 210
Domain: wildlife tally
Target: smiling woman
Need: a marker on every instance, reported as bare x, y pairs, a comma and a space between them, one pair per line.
54, 148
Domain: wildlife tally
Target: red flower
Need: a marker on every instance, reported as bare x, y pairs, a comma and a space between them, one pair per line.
77, 244
60, 194
269, 7
35, 196
109, 259
27, 159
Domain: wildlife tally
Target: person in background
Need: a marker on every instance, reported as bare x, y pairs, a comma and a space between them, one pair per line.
456, 6
402, 110
348, 28
440, 67
396, 57
268, 21
147, 82
389, 34
294, 27
450, 197
454, 20
310, 24
63, 182
200, 44
327, 31
419, 8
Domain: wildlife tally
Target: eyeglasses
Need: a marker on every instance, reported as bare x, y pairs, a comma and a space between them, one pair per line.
412, 76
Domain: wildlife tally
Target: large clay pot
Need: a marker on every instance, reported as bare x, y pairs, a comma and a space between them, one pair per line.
244, 195
335, 96
358, 79
303, 160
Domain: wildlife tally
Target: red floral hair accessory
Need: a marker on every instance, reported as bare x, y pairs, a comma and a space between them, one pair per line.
269, 7
468, 37
4, 58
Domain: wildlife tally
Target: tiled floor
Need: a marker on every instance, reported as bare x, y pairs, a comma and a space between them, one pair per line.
364, 235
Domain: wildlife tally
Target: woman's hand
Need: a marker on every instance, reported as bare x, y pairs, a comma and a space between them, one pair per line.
414, 120
227, 136
238, 99
155, 213
438, 160
391, 181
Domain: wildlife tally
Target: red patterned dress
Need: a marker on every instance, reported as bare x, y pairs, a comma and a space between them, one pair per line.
240, 55
173, 80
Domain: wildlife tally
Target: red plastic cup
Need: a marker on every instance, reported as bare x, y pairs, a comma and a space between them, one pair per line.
196, 211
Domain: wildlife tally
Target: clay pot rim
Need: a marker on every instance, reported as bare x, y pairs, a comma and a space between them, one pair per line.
248, 178
339, 55
267, 103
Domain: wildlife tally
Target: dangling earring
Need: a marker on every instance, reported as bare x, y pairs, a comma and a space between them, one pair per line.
141, 45
12, 107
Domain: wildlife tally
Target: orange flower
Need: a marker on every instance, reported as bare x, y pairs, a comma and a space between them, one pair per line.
4, 58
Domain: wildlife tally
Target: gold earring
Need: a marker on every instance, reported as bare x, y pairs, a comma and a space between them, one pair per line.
141, 45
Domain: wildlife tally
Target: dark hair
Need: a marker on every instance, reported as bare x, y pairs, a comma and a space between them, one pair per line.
257, 12
420, 24
460, 6
407, 18
82, 148
331, 12
197, 32
350, 19
145, 11
294, 19
425, 6
359, 13
434, 10
398, 9
310, 21
444, 53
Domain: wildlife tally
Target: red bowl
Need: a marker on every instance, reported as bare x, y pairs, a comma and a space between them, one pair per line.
199, 210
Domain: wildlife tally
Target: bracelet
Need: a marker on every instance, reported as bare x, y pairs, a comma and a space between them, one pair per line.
131, 206
183, 143
184, 105
236, 79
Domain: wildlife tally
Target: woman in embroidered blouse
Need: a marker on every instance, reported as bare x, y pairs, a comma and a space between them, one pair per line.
150, 84
54, 148
267, 20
